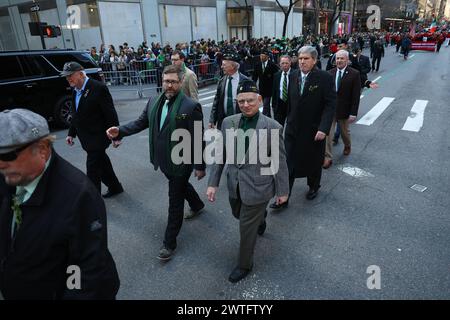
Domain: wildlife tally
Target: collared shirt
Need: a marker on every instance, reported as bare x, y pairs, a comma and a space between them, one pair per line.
282, 80
337, 76
234, 85
264, 66
79, 93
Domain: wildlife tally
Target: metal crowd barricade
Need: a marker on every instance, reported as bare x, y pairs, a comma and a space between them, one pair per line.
206, 72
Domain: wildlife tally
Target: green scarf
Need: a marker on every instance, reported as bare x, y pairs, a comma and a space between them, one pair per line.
153, 127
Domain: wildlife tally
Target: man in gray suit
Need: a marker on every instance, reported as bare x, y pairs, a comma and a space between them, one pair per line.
224, 104
252, 182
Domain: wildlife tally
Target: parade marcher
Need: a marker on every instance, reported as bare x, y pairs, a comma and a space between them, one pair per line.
332, 60
190, 85
406, 46
225, 99
264, 72
377, 54
92, 113
249, 189
280, 92
348, 88
312, 104
164, 114
52, 219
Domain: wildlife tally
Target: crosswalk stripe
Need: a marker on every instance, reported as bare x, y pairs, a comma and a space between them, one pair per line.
204, 93
415, 120
376, 79
206, 98
361, 96
376, 111
207, 105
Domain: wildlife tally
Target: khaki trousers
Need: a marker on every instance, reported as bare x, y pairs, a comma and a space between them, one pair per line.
345, 134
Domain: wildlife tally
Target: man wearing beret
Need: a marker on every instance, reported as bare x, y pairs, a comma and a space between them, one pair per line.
224, 104
92, 113
53, 231
265, 72
251, 183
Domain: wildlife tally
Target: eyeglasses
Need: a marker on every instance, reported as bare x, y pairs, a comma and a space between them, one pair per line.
172, 82
13, 155
243, 101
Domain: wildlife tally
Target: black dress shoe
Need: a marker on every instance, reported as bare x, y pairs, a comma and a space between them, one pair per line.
262, 228
112, 192
276, 206
238, 274
312, 193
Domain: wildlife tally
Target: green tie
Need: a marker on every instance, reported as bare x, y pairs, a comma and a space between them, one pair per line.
303, 84
285, 91
17, 201
164, 111
263, 67
230, 109
339, 79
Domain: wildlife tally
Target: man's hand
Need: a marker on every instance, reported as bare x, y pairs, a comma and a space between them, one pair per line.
69, 141
112, 132
320, 136
281, 199
116, 143
199, 174
211, 193
373, 85
351, 119
211, 126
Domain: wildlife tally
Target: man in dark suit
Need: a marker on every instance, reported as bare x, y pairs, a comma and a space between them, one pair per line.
378, 52
164, 114
53, 226
348, 88
353, 61
92, 113
312, 103
225, 104
280, 92
265, 72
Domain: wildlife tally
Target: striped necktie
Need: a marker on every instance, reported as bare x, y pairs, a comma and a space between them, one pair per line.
285, 91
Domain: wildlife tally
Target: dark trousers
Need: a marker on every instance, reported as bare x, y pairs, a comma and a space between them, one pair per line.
250, 218
179, 190
280, 112
439, 46
99, 169
376, 60
266, 106
313, 180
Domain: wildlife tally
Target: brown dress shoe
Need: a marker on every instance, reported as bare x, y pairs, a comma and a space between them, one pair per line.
347, 150
327, 163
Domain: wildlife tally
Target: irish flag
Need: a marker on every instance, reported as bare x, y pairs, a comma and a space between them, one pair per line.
433, 26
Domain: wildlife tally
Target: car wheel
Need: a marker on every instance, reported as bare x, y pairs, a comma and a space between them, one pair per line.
62, 114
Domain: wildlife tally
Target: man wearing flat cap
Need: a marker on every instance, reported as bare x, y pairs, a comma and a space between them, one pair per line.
92, 113
53, 231
252, 182
224, 104
265, 73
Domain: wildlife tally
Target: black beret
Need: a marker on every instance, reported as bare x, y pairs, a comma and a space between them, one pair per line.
247, 86
232, 56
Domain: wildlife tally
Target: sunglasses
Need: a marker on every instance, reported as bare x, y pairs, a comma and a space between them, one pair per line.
13, 155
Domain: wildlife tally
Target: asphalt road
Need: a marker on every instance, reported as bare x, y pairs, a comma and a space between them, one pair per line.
366, 213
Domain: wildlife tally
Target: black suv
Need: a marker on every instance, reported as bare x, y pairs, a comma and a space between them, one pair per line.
30, 80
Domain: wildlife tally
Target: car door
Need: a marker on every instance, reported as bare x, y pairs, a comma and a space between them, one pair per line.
11, 83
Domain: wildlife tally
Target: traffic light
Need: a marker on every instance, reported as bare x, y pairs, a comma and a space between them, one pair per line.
51, 31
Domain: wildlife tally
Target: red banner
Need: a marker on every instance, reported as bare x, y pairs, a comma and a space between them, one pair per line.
425, 46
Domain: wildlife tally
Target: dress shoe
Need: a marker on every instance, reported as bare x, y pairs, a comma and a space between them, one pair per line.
347, 150
312, 193
193, 213
238, 274
327, 163
112, 192
262, 228
165, 254
276, 206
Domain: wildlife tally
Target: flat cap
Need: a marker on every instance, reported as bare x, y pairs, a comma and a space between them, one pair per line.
247, 86
71, 67
19, 127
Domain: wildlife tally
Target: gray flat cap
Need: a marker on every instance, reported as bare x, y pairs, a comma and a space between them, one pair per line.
19, 127
71, 67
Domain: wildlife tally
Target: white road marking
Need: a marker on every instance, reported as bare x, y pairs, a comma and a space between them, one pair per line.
208, 105
412, 56
376, 111
361, 97
355, 172
206, 98
204, 93
376, 79
415, 120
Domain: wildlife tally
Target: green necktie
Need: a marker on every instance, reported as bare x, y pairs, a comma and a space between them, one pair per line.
164, 112
230, 109
17, 218
339, 79
303, 84
285, 91
263, 67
